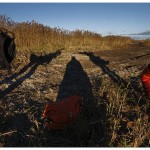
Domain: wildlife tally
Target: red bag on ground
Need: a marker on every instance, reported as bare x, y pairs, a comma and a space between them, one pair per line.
61, 114
146, 80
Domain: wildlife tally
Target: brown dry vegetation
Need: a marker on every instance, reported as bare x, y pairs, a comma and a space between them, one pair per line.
105, 71
34, 36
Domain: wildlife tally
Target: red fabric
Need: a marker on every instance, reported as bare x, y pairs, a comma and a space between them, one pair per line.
146, 80
63, 113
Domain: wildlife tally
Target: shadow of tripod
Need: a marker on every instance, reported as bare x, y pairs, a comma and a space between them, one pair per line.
35, 61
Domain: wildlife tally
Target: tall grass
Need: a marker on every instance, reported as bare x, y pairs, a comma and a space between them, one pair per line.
35, 36
128, 122
146, 42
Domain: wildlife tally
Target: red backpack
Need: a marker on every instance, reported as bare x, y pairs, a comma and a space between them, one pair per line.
59, 115
146, 80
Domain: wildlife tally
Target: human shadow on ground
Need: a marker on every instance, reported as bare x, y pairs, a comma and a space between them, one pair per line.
75, 82
89, 129
112, 75
35, 61
103, 65
134, 91
17, 119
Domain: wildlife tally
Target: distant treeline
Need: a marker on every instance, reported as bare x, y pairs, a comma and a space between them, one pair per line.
35, 36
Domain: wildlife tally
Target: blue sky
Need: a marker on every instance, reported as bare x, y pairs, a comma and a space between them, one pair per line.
104, 18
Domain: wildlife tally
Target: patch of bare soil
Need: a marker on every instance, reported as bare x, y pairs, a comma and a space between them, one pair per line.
38, 78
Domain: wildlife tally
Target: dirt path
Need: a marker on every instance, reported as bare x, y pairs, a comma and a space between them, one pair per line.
60, 74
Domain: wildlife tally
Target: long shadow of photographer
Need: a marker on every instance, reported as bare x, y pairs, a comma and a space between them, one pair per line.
35, 61
134, 91
103, 65
113, 76
75, 82
89, 128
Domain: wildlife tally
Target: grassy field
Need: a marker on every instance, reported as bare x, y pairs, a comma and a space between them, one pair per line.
115, 107
52, 64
